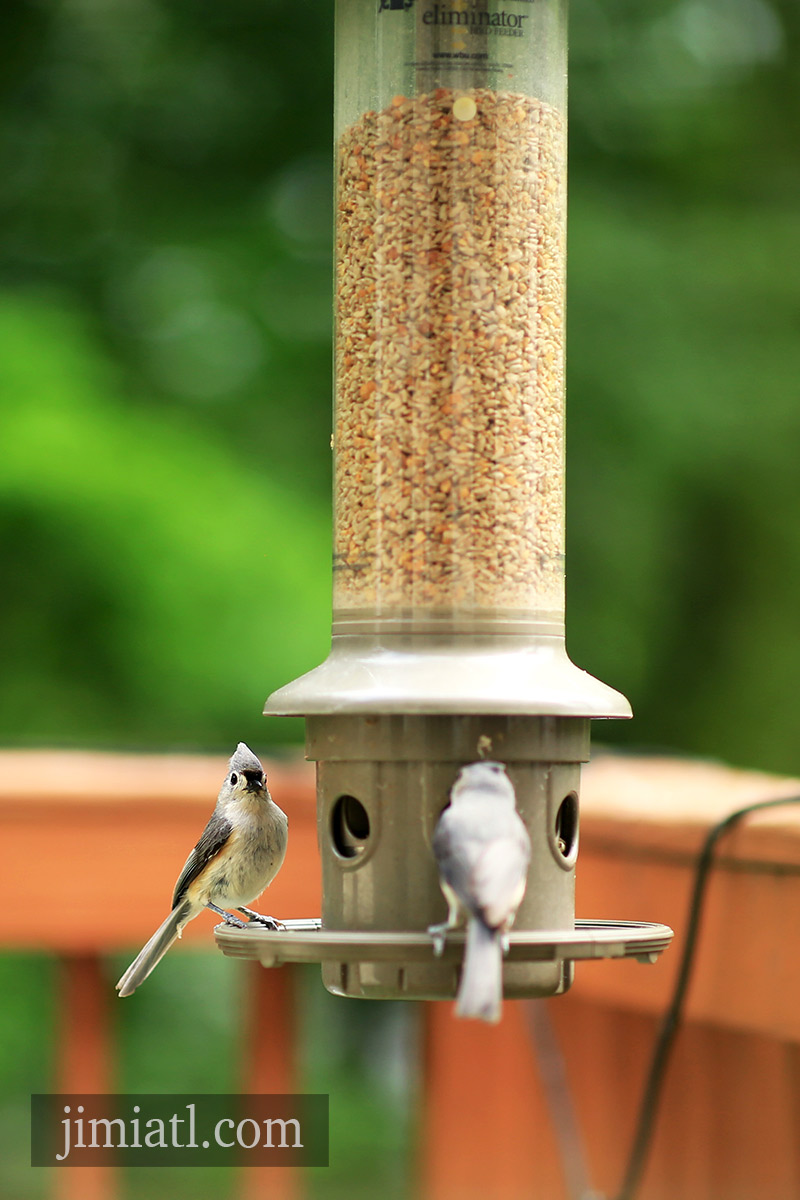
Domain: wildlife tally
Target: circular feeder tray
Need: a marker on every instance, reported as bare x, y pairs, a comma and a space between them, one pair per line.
305, 941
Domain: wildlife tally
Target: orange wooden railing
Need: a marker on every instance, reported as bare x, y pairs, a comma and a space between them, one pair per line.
107, 831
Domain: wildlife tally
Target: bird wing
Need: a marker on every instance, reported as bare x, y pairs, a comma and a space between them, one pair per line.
456, 853
498, 879
212, 839
486, 866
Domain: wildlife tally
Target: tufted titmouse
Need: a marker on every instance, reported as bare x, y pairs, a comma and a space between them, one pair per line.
239, 853
483, 849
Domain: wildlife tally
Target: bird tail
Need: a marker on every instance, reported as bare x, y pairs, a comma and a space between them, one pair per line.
150, 955
480, 993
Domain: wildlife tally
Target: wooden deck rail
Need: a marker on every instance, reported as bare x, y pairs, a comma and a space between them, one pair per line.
110, 831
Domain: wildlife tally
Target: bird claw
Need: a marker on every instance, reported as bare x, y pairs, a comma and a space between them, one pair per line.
438, 935
229, 919
255, 918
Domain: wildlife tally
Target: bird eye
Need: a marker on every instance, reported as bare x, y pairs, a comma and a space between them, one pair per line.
234, 779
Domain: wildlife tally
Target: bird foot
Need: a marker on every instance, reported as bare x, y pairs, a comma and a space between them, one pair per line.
227, 917
438, 935
255, 918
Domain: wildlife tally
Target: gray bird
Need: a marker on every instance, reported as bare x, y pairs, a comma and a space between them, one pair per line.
482, 849
240, 852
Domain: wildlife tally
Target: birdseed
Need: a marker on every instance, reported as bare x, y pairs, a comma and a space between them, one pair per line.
450, 276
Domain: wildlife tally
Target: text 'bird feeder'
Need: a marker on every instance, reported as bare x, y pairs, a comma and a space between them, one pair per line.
448, 601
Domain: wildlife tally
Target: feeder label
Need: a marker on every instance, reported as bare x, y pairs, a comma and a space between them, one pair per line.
489, 38
475, 20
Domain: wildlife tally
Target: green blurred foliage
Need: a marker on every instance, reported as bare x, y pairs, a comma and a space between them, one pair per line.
164, 367
683, 576
165, 323
364, 1055
157, 585
27, 1030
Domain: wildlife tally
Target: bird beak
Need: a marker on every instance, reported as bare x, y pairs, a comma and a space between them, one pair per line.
255, 780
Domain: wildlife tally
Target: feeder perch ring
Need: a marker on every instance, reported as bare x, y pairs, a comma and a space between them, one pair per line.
305, 941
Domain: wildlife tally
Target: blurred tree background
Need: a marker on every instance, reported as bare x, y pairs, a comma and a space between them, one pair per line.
165, 326
165, 329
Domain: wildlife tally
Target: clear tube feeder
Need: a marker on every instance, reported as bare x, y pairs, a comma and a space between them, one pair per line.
448, 596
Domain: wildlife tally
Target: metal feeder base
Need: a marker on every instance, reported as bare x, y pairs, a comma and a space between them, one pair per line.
356, 964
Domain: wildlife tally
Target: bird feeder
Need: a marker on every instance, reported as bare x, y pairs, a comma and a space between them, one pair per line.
448, 446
